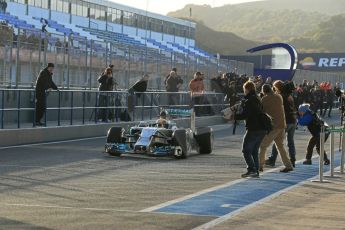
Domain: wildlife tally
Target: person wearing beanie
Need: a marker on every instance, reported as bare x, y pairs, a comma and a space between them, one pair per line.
306, 117
44, 82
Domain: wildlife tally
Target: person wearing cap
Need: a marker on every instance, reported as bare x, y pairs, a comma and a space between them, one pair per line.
314, 123
44, 82
197, 88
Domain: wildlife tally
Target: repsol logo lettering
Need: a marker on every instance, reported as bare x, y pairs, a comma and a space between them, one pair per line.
331, 62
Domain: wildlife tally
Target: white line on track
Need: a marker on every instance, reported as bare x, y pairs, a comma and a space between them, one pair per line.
157, 207
224, 218
50, 143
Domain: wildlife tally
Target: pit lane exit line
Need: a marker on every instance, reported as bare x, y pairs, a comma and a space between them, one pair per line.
227, 200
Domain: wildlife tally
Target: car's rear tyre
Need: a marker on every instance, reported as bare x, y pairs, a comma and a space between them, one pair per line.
204, 139
180, 140
115, 135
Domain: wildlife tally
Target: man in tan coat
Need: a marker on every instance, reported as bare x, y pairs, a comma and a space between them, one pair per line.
273, 106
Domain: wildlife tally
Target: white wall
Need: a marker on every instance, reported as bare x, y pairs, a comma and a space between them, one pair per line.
16, 8
80, 21
60, 17
38, 12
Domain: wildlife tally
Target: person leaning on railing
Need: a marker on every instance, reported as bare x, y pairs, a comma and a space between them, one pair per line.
44, 82
197, 89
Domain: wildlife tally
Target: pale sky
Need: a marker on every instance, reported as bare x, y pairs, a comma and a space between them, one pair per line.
165, 6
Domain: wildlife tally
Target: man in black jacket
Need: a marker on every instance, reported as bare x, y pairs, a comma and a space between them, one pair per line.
252, 109
44, 82
173, 84
106, 83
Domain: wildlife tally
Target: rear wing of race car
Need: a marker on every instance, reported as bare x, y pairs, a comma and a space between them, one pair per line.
184, 113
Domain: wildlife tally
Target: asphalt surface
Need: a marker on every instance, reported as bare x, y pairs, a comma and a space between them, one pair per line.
74, 185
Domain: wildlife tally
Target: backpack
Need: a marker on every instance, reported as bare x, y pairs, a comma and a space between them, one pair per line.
266, 122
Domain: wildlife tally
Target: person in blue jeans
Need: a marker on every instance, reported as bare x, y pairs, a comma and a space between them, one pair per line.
250, 111
291, 122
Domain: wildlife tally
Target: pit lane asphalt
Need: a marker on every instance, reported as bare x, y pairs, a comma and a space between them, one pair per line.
73, 185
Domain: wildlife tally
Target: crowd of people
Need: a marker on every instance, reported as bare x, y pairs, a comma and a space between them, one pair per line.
271, 110
272, 114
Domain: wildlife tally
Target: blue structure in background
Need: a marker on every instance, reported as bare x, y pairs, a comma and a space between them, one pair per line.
278, 73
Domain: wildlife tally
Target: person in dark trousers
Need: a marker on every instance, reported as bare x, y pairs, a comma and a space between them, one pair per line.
309, 118
251, 110
291, 122
330, 98
44, 82
106, 83
3, 6
173, 84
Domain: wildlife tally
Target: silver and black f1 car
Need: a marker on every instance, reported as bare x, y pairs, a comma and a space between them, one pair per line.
148, 138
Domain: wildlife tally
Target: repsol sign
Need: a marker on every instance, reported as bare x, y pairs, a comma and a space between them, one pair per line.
322, 62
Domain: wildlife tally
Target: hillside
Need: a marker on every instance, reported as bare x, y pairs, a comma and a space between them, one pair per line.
221, 42
255, 23
328, 37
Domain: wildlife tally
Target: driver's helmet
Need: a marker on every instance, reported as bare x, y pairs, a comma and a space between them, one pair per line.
163, 114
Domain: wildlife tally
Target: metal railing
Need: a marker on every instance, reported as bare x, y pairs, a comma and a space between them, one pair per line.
331, 131
80, 107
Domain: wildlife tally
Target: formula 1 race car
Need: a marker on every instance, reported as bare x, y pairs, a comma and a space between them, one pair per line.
150, 139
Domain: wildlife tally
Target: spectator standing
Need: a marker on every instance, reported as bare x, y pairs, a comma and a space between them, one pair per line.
291, 122
197, 88
44, 82
273, 106
106, 83
330, 98
309, 118
3, 6
255, 131
173, 84
317, 96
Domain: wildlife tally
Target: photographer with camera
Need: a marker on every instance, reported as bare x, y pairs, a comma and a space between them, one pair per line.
250, 110
106, 83
285, 90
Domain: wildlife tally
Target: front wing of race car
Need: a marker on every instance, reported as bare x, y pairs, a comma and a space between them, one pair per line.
119, 149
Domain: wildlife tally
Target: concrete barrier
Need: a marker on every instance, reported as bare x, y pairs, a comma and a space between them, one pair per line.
50, 134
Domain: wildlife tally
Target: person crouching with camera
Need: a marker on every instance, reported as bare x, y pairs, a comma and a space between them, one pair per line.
314, 123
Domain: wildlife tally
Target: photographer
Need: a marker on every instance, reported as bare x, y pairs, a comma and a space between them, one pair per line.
106, 83
251, 110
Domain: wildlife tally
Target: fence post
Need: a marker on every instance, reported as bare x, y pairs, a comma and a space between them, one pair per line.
59, 109
46, 108
332, 153
2, 108
71, 122
18, 109
84, 107
34, 106
342, 161
321, 158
